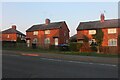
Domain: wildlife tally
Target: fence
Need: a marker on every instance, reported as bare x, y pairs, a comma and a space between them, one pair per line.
110, 50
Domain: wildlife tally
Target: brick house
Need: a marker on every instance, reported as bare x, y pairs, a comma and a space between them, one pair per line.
47, 34
12, 34
110, 28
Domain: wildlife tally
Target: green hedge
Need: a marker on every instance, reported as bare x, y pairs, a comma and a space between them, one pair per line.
74, 46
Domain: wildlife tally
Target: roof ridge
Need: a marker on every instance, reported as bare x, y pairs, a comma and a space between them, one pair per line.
49, 23
99, 20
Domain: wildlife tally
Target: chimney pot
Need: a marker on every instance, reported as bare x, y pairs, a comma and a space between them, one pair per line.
102, 17
14, 27
47, 21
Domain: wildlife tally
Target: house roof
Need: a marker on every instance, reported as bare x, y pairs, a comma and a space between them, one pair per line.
11, 31
112, 23
54, 25
74, 36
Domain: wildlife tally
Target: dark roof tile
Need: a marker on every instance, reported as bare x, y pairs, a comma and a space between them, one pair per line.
54, 25
97, 24
11, 31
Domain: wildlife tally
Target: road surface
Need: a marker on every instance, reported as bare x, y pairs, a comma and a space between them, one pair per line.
19, 66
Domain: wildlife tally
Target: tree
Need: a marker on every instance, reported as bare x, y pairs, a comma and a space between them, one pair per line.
99, 38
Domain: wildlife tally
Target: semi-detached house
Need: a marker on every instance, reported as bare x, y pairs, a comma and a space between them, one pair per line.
49, 33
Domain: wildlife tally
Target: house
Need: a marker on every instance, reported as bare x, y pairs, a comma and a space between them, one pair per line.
12, 34
73, 38
110, 28
44, 35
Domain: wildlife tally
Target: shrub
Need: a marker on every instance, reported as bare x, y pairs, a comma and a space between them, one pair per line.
52, 47
75, 46
94, 48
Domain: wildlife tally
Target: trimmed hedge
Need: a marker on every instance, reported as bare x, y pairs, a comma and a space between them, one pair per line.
74, 46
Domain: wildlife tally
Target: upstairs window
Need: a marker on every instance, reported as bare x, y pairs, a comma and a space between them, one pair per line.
92, 31
35, 33
47, 31
112, 42
112, 31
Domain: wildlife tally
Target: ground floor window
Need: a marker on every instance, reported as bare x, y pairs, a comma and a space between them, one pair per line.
92, 41
35, 40
47, 40
112, 42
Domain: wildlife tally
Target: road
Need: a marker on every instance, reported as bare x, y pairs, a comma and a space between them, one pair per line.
18, 66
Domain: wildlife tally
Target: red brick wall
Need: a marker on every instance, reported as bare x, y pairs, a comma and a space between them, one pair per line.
12, 37
105, 38
64, 30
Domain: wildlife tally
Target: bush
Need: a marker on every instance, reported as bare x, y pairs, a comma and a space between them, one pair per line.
63, 47
75, 46
53, 47
94, 48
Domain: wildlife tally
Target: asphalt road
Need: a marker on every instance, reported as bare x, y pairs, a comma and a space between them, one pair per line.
16, 66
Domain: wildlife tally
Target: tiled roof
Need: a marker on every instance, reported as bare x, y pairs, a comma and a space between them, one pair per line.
97, 24
11, 31
54, 25
74, 36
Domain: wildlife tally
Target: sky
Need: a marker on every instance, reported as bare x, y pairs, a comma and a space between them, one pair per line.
26, 14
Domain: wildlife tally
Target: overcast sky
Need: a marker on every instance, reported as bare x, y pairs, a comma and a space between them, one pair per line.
26, 14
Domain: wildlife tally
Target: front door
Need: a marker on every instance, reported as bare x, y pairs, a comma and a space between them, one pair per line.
56, 41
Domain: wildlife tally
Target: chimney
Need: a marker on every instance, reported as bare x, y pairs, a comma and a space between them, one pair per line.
47, 21
102, 17
14, 27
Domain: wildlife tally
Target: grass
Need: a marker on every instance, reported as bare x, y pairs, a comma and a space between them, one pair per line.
41, 50
91, 54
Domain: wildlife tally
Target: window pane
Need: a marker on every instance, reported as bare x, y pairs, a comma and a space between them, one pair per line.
111, 31
112, 42
47, 31
92, 31
47, 41
35, 33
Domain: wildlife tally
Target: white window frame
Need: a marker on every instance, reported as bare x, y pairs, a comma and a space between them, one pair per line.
47, 40
92, 31
35, 33
47, 31
112, 42
112, 31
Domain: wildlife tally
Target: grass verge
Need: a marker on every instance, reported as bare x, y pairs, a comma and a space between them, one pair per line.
41, 50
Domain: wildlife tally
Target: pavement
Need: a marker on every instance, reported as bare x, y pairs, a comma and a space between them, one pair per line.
103, 60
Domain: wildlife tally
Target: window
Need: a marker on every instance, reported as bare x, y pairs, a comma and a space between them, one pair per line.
112, 31
112, 42
92, 40
8, 36
92, 31
35, 40
47, 31
80, 41
66, 41
47, 41
35, 33
65, 33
